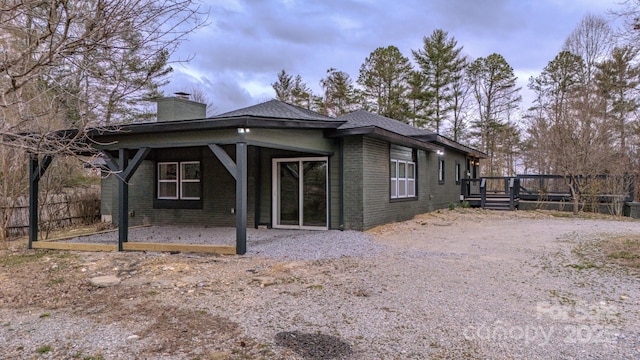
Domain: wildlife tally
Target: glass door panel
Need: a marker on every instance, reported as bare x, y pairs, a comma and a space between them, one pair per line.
314, 192
289, 190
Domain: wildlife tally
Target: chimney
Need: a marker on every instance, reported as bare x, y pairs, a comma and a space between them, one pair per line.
179, 107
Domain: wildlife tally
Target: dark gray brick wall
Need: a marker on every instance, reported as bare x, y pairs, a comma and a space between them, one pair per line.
366, 182
353, 183
449, 192
379, 208
218, 189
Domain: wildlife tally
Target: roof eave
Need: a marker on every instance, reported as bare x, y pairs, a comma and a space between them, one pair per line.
439, 139
386, 135
216, 123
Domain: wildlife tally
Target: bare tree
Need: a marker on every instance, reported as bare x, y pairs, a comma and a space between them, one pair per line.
82, 63
198, 94
68, 66
592, 40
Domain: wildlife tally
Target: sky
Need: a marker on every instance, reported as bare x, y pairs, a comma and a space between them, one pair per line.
236, 58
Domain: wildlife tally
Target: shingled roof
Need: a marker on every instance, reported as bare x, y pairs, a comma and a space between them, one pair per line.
278, 110
362, 118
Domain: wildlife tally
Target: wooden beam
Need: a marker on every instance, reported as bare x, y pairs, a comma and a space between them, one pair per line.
163, 247
112, 163
35, 173
137, 246
73, 246
241, 198
225, 159
123, 201
140, 155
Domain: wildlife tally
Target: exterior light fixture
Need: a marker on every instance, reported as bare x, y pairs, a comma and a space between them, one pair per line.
244, 130
440, 152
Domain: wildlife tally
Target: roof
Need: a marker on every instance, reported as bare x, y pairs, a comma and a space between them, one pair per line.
270, 114
362, 118
278, 110
363, 122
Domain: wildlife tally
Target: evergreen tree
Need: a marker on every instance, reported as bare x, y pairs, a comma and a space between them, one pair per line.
494, 89
384, 77
283, 87
441, 62
340, 95
617, 81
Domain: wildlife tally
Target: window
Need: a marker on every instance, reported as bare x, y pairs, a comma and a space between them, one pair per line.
179, 180
440, 171
403, 179
458, 173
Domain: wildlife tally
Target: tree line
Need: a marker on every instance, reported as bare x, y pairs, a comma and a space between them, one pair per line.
583, 122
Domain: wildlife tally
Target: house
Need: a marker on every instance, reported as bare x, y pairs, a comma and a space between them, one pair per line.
279, 166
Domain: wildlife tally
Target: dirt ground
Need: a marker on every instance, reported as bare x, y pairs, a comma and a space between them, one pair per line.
195, 306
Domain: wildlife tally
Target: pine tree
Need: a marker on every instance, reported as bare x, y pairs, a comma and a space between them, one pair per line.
384, 77
440, 61
340, 95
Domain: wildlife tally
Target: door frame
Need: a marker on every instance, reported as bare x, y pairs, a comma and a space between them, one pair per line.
275, 193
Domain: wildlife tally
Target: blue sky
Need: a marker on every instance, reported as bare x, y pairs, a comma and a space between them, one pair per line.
237, 56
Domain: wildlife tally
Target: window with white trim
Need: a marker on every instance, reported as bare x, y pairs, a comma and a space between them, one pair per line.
458, 169
403, 179
179, 180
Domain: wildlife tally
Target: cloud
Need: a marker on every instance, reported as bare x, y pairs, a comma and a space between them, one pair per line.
248, 42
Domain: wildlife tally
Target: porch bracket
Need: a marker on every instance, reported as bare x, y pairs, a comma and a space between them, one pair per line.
225, 159
112, 163
141, 154
241, 198
126, 170
35, 173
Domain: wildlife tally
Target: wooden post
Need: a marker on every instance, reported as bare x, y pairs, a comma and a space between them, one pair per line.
241, 198
35, 173
483, 192
33, 199
123, 200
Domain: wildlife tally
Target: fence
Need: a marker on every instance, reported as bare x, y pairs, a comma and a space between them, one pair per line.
73, 207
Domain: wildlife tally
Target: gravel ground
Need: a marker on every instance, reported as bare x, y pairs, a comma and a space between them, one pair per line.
451, 285
272, 243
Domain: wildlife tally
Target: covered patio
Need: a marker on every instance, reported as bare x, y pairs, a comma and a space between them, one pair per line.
244, 153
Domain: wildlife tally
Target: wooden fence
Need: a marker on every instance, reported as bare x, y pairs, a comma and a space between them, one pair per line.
73, 207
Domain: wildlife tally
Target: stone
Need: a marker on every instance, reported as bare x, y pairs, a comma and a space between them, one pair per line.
264, 280
104, 281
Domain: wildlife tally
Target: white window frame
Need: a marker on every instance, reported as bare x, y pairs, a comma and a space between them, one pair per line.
403, 187
182, 181
275, 181
176, 181
179, 181
458, 170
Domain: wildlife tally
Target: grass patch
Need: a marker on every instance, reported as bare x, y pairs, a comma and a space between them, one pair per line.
24, 258
45, 315
585, 266
623, 250
43, 349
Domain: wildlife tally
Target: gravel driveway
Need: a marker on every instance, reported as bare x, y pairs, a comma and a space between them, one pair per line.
464, 284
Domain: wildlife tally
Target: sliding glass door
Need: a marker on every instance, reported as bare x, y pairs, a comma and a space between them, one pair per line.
300, 193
